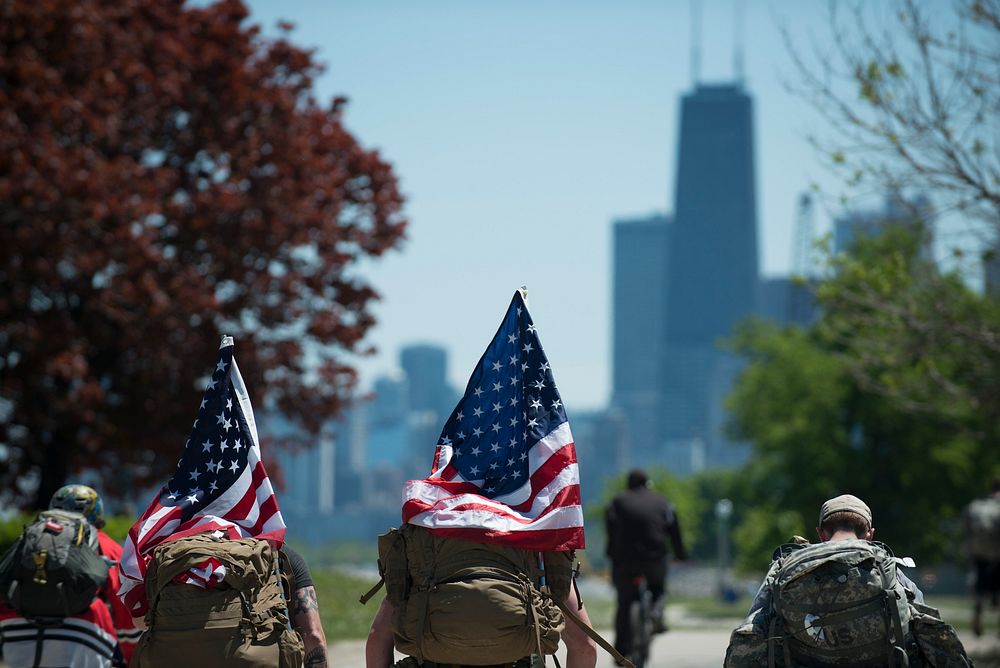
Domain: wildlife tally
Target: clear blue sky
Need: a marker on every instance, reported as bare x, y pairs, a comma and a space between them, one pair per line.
519, 130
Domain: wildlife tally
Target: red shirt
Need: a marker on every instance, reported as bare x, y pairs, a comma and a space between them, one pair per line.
127, 632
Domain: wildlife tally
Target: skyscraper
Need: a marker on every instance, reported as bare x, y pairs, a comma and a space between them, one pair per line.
425, 366
640, 258
712, 273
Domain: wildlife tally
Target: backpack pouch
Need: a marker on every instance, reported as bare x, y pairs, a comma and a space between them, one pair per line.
392, 566
485, 615
560, 572
747, 649
203, 648
939, 644
183, 607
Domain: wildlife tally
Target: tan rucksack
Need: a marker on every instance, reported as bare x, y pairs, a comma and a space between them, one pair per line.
458, 601
241, 622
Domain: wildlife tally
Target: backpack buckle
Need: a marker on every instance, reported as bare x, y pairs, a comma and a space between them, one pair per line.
39, 558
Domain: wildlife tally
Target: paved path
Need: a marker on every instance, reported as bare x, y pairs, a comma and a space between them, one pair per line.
677, 649
680, 648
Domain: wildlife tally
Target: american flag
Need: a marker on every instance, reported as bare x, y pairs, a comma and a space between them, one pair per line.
220, 485
505, 467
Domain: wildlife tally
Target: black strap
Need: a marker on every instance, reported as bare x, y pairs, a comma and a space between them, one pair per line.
772, 639
39, 639
897, 649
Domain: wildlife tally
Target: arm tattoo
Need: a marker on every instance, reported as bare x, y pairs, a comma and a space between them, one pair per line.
315, 658
305, 600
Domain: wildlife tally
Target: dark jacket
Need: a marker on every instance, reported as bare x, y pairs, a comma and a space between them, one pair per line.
639, 523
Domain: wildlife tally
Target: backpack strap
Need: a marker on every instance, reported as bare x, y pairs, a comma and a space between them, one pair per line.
367, 596
772, 640
897, 652
39, 639
594, 635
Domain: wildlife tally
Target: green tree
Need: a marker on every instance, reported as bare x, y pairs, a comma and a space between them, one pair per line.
893, 393
820, 427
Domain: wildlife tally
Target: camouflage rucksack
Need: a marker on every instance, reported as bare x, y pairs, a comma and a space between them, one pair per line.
766, 639
840, 602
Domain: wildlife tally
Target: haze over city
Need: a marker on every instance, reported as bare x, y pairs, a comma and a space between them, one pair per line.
521, 130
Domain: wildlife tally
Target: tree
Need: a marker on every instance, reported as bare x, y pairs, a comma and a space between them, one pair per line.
820, 428
912, 95
166, 175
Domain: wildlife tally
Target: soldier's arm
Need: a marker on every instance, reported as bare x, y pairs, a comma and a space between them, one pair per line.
306, 620
378, 647
581, 651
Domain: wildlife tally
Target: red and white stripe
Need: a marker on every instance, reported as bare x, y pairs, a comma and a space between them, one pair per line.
543, 514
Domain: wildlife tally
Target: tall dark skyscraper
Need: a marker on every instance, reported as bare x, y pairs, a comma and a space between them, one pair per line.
713, 263
712, 273
640, 258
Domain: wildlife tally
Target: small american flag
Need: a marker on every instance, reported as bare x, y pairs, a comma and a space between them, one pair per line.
220, 485
505, 467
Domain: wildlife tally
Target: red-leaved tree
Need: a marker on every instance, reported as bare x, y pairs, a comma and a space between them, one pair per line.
166, 175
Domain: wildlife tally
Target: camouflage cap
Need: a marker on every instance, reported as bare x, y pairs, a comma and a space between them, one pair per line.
845, 503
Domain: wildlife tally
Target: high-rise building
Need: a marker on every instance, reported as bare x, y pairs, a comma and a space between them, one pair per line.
712, 273
916, 212
640, 258
425, 366
388, 423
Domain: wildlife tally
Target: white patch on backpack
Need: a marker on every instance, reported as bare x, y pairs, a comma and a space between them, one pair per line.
812, 628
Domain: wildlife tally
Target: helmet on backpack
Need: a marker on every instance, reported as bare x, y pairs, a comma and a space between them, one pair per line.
80, 499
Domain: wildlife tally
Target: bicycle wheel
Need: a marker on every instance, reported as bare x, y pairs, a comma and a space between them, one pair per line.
642, 628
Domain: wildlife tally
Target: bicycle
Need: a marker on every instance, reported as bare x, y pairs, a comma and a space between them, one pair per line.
641, 621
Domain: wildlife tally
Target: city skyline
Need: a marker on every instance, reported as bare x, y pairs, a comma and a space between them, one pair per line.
520, 133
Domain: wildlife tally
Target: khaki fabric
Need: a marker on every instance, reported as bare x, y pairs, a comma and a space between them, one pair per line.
241, 622
467, 603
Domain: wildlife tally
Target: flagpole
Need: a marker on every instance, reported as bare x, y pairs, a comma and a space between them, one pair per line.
524, 295
226, 341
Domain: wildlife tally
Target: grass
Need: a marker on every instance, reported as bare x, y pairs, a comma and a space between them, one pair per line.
344, 618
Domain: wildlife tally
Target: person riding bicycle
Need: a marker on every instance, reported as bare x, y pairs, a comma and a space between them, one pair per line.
639, 524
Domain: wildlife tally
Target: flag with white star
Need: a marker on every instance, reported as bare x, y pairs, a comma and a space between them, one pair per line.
505, 468
220, 484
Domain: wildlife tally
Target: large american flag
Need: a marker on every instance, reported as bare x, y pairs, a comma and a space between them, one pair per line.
505, 467
220, 485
